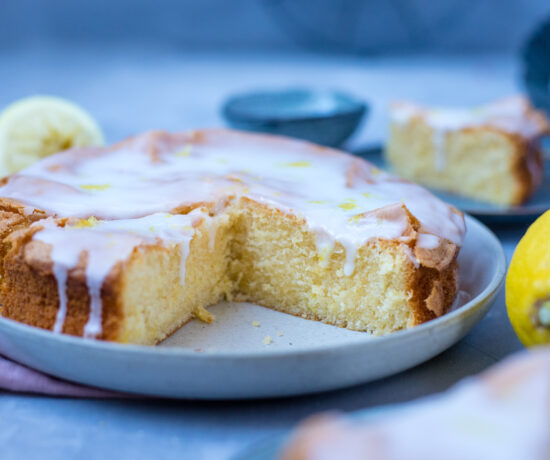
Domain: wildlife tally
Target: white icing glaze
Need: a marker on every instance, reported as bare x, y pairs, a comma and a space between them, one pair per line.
337, 196
106, 243
513, 115
293, 176
60, 274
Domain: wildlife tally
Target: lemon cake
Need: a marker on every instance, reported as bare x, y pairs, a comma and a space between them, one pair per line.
488, 153
503, 413
128, 242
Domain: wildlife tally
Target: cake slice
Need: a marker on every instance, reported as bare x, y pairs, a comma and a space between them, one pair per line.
490, 153
127, 243
504, 414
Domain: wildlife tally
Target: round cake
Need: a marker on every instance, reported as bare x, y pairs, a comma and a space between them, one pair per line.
129, 242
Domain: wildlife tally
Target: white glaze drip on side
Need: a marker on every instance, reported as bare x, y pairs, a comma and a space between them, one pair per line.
349, 264
60, 274
93, 327
62, 262
439, 138
184, 253
106, 243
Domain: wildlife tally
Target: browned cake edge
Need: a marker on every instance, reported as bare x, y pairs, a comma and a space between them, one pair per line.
528, 167
527, 164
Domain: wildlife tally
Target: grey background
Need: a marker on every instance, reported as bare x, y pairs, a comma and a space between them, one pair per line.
168, 64
373, 26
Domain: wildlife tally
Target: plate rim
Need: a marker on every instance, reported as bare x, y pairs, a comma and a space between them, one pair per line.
132, 349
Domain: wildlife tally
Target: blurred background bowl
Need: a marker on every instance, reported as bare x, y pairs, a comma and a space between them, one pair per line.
536, 62
325, 117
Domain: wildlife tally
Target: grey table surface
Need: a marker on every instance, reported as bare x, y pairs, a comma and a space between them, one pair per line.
131, 90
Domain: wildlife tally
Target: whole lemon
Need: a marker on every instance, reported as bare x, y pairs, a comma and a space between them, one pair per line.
528, 285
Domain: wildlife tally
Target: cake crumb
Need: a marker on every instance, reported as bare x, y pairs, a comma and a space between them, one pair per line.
256, 323
279, 333
202, 314
267, 340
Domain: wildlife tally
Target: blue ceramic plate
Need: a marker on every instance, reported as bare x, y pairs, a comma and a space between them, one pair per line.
486, 212
229, 359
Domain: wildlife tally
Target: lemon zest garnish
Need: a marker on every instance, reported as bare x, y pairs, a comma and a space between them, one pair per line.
267, 340
355, 219
256, 323
95, 187
347, 206
185, 152
188, 227
152, 229
317, 202
375, 171
87, 223
233, 178
298, 164
372, 196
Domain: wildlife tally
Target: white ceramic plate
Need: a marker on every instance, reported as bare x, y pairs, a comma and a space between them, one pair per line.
228, 359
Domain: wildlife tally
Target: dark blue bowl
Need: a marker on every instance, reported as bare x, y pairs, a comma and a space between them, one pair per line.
536, 61
324, 117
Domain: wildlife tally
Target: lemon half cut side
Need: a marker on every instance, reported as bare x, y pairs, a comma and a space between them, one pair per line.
38, 126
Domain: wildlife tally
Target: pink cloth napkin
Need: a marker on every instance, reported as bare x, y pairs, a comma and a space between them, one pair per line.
18, 378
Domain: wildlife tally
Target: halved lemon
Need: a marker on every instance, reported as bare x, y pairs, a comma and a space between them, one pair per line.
528, 285
38, 126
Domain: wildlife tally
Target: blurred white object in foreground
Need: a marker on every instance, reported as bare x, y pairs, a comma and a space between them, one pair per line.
504, 413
